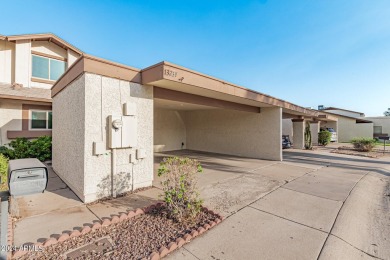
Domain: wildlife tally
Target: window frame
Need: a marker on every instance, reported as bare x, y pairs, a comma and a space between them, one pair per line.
47, 120
49, 67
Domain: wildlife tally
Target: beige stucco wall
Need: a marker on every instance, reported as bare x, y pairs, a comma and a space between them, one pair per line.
92, 99
236, 133
7, 61
169, 130
298, 139
10, 119
349, 129
383, 121
68, 135
287, 127
23, 62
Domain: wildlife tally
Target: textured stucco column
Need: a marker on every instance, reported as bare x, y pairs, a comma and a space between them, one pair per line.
315, 129
298, 131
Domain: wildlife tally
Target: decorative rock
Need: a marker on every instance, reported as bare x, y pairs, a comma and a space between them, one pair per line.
154, 256
75, 233
86, 230
139, 211
211, 212
206, 226
114, 219
131, 214
201, 230
123, 216
163, 251
187, 237
19, 253
63, 237
50, 241
172, 246
106, 222
150, 208
194, 233
180, 242
96, 226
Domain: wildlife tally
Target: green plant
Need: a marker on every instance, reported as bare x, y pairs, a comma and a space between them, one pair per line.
20, 148
308, 143
363, 144
324, 137
3, 171
180, 188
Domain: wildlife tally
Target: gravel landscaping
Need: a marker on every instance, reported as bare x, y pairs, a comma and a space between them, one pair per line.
376, 153
133, 236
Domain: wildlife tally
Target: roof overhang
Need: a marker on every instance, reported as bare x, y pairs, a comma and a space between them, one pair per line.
91, 64
2, 37
45, 37
176, 78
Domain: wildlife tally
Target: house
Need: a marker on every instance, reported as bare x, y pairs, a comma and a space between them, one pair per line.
381, 125
351, 124
110, 119
29, 66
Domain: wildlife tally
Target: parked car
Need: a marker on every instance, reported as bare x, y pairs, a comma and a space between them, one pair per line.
333, 138
286, 143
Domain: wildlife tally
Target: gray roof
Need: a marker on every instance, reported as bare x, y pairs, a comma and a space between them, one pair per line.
17, 92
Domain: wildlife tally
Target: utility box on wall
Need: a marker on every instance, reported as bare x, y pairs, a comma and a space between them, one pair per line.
122, 131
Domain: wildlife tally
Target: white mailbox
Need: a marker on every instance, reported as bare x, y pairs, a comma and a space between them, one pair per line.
26, 176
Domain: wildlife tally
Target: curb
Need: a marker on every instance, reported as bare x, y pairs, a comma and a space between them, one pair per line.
163, 251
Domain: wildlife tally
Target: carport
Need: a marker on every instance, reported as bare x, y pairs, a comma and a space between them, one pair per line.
162, 108
197, 112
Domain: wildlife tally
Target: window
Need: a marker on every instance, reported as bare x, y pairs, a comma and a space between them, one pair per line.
41, 119
47, 68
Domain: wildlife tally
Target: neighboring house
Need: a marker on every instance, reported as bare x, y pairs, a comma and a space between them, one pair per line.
351, 124
29, 66
381, 125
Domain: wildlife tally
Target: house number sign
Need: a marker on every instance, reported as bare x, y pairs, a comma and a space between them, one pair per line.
170, 73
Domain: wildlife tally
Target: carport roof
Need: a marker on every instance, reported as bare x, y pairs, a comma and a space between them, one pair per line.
174, 77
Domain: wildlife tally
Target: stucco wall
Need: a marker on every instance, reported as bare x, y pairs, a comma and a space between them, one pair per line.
348, 129
10, 119
69, 135
23, 62
169, 130
287, 127
91, 99
236, 133
383, 121
7, 61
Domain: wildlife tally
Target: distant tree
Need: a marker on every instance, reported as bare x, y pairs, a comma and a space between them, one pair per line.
387, 113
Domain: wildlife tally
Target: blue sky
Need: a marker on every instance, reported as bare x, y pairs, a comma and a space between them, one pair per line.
329, 52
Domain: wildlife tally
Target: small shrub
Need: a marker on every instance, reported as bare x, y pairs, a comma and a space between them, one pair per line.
363, 144
20, 148
180, 188
3, 172
324, 137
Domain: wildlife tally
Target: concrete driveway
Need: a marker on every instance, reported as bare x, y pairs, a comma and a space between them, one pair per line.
314, 205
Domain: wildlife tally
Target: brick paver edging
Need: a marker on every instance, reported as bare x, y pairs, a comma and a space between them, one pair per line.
163, 251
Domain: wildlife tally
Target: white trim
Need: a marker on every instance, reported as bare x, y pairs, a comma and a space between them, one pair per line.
47, 119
